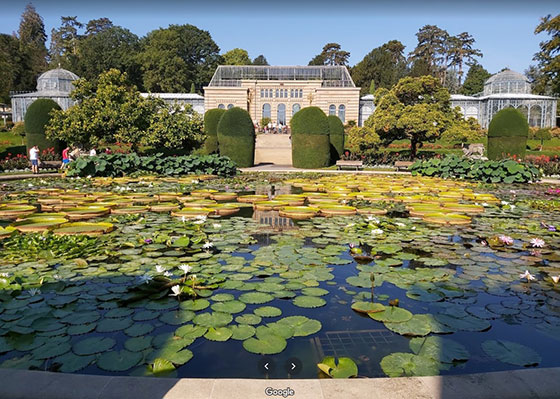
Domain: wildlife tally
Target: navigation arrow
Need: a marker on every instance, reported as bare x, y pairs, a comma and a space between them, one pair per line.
266, 366
293, 366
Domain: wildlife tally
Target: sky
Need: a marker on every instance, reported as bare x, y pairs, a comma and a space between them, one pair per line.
292, 32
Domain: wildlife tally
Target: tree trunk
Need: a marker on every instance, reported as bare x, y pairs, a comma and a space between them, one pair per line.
413, 145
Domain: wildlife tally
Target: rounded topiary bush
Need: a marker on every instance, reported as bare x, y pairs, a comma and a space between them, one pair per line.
236, 137
310, 138
507, 134
211, 120
36, 118
336, 137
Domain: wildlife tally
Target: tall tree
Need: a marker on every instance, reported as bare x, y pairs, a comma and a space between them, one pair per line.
98, 25
32, 39
237, 56
260, 60
384, 66
119, 48
431, 50
461, 52
538, 81
474, 82
332, 54
64, 43
10, 66
174, 57
548, 57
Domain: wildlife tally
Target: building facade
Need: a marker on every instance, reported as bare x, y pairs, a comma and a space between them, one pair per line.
195, 100
55, 84
278, 92
507, 89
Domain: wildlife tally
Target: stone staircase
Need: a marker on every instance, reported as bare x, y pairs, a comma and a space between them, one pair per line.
273, 149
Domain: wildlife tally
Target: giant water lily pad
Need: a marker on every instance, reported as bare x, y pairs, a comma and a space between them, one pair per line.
418, 325
409, 365
367, 307
301, 325
511, 352
309, 301
391, 314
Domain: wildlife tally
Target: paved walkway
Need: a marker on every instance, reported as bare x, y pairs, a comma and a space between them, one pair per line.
291, 169
519, 384
28, 176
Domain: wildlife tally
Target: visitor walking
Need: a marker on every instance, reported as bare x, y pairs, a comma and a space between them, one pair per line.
65, 157
34, 158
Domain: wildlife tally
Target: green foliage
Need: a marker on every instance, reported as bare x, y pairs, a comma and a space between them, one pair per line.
310, 138
331, 55
474, 82
417, 109
260, 60
236, 137
265, 121
362, 141
211, 120
504, 171
336, 137
237, 56
547, 57
507, 134
463, 130
32, 52
36, 118
127, 164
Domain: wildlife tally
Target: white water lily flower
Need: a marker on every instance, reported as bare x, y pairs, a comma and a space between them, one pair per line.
216, 225
145, 279
200, 217
34, 291
4, 274
193, 277
372, 219
527, 275
413, 228
376, 231
89, 176
537, 243
207, 245
167, 274
199, 221
176, 290
485, 204
400, 224
505, 203
511, 206
185, 268
183, 219
160, 269
3, 281
556, 279
349, 225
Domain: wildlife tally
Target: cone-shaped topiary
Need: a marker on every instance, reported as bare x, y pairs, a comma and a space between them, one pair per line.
36, 117
236, 137
310, 138
507, 134
211, 120
336, 137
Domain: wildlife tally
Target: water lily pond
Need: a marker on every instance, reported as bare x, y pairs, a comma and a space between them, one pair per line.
202, 277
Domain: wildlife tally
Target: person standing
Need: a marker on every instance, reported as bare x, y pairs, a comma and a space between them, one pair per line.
34, 158
65, 157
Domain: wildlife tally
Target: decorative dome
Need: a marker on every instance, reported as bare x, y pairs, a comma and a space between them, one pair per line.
507, 81
56, 80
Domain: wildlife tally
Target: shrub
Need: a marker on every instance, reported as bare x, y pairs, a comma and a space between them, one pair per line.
19, 129
502, 171
211, 120
14, 161
336, 137
507, 134
236, 137
362, 142
265, 121
549, 165
37, 116
113, 165
310, 138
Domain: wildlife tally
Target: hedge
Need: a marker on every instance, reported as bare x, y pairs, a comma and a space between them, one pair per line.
36, 117
507, 134
113, 165
236, 137
310, 139
211, 120
336, 137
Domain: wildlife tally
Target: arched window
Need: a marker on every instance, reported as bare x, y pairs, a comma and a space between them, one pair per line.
300, 93
295, 108
266, 111
229, 106
332, 109
281, 115
342, 112
221, 106
535, 117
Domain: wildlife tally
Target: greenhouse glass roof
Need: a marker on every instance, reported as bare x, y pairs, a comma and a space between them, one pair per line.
330, 76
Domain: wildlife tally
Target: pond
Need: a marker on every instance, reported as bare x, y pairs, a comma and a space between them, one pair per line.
404, 276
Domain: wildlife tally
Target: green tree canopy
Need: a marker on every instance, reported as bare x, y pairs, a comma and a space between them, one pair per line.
548, 57
99, 25
474, 82
10, 66
383, 66
64, 43
33, 52
332, 54
237, 56
260, 60
431, 49
174, 57
417, 109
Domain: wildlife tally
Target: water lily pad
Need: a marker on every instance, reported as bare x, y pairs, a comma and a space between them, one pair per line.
268, 311
229, 306
314, 291
222, 297
248, 318
301, 325
191, 331
82, 318
52, 348
145, 315
511, 353
177, 317
343, 368
138, 329
180, 357
138, 344
162, 368
242, 332
443, 350
418, 325
400, 364
195, 305
90, 346
255, 298
309, 301
70, 363
215, 319
468, 323
111, 325
81, 329
392, 314
269, 344
220, 334
118, 360
367, 307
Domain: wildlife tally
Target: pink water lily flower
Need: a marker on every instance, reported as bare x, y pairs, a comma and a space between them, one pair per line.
507, 240
537, 243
